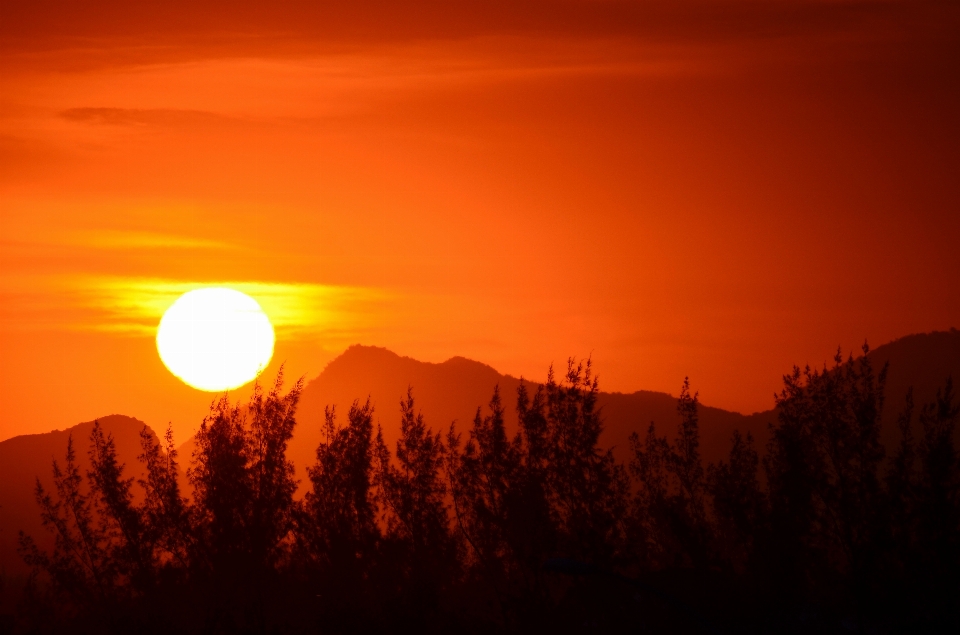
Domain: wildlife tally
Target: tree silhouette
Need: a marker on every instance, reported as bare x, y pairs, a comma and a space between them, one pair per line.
550, 492
739, 505
80, 566
222, 490
670, 517
412, 492
822, 467
481, 476
243, 511
936, 552
166, 514
587, 487
273, 475
120, 519
337, 531
541, 531
534, 528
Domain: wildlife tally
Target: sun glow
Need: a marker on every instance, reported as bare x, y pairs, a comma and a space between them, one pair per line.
215, 339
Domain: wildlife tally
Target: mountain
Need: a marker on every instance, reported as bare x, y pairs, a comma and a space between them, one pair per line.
923, 362
447, 392
453, 390
25, 458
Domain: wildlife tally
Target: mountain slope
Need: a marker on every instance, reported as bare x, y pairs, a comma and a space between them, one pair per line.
923, 362
453, 390
25, 458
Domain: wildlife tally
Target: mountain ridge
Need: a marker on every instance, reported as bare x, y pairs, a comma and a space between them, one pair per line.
449, 393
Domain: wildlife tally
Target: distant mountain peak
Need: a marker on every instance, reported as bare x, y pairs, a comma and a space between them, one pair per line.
460, 361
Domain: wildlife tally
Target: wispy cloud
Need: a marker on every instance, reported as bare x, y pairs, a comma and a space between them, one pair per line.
134, 306
138, 116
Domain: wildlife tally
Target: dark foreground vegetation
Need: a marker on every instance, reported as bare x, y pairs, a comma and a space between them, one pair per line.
470, 530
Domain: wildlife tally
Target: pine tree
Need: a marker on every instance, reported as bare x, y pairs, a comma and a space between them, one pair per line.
272, 474
670, 521
937, 509
80, 565
823, 469
534, 528
651, 533
412, 493
337, 528
481, 476
166, 513
222, 489
588, 489
739, 504
129, 546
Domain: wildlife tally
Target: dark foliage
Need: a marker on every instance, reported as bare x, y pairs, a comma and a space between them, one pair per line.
541, 529
419, 554
670, 516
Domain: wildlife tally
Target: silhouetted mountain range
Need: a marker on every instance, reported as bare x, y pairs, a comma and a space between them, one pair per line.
446, 392
452, 391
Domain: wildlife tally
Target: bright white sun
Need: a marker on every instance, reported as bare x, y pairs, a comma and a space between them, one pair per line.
215, 339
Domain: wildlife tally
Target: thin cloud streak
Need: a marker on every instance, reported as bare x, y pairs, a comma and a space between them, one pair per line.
134, 306
137, 116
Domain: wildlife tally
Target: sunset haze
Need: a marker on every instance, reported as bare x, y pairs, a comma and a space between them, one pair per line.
710, 189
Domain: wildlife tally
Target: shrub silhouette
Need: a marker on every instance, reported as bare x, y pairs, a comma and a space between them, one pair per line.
739, 505
165, 511
670, 515
418, 551
482, 531
337, 529
80, 566
923, 486
823, 469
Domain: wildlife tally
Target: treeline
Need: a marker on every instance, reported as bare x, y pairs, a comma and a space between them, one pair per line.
471, 529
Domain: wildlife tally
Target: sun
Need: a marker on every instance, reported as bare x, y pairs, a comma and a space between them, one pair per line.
215, 339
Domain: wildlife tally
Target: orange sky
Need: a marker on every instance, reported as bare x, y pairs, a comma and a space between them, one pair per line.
712, 189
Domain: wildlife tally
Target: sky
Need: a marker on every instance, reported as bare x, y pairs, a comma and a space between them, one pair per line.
708, 188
